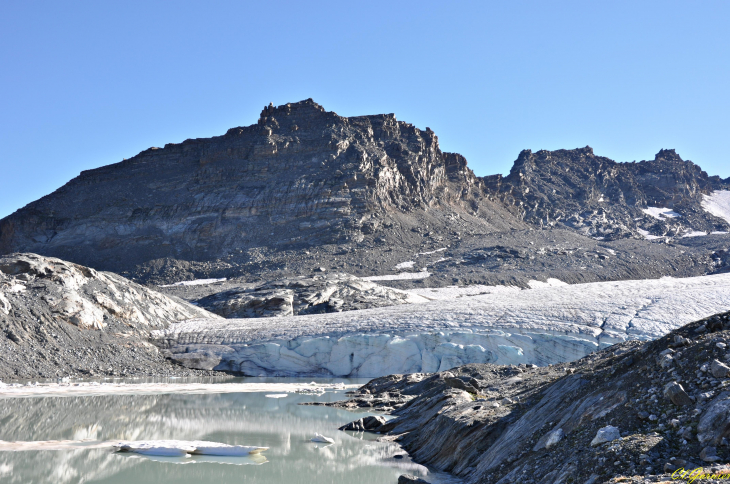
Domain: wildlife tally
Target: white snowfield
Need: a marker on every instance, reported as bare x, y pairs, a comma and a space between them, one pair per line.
718, 204
542, 325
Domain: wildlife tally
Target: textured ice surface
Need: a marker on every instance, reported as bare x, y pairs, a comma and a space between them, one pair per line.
660, 213
542, 325
718, 204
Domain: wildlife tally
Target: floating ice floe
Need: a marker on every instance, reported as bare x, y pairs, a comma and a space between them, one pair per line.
276, 395
322, 439
183, 448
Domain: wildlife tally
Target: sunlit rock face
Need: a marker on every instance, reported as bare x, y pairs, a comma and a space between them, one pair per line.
543, 325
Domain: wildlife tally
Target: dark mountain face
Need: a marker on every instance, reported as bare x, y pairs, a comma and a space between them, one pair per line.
300, 177
602, 198
307, 189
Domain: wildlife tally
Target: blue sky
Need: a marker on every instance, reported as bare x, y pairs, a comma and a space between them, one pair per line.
87, 84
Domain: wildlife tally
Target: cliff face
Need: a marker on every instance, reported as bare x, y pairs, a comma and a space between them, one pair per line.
602, 198
302, 175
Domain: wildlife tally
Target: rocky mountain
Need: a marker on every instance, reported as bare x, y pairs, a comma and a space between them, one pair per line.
601, 198
61, 319
372, 196
300, 177
630, 413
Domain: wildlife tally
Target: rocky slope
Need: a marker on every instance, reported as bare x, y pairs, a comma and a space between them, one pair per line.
628, 413
63, 319
602, 198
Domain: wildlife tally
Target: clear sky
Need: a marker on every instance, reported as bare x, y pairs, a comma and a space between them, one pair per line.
85, 84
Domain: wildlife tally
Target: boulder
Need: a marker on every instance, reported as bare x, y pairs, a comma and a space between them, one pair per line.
718, 369
608, 433
675, 392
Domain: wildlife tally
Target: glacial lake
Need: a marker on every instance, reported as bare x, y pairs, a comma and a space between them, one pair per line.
233, 418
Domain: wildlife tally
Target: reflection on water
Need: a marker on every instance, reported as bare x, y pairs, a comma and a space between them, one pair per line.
233, 418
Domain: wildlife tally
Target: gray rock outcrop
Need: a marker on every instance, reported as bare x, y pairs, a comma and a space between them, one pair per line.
325, 293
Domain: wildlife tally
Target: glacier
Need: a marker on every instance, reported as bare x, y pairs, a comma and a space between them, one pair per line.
545, 324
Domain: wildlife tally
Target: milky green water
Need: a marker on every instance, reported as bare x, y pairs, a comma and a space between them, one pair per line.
234, 418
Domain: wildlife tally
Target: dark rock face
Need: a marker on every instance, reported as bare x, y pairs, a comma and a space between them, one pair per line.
302, 176
602, 198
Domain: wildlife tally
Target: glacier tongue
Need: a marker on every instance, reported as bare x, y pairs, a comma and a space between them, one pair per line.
543, 325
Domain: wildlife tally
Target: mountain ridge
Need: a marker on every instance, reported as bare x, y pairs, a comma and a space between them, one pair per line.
303, 177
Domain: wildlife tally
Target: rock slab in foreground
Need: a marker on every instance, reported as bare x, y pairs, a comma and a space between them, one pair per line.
501, 434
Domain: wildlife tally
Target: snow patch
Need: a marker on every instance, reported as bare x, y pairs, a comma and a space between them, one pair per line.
405, 265
196, 282
694, 233
399, 277
433, 251
647, 235
718, 204
660, 213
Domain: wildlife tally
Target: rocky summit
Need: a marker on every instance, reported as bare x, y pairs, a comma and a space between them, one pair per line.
601, 198
300, 177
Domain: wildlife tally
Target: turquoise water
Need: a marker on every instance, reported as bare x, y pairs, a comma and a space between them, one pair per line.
234, 418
